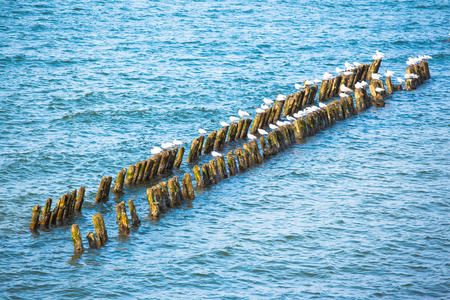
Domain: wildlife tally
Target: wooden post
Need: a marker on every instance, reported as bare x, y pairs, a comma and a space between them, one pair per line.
231, 163
345, 109
241, 160
172, 157
140, 176
100, 229
273, 143
165, 196
92, 240
122, 218
198, 177
278, 110
214, 168
157, 161
288, 103
232, 132
134, 216
46, 214
188, 189
62, 208
179, 158
389, 85
54, 215
76, 237
254, 150
35, 218
359, 99
255, 124
280, 138
153, 202
222, 167
194, 149
201, 139
118, 183
209, 144
206, 175
148, 169
73, 200
164, 161
174, 193
265, 149
220, 139
130, 174
374, 67
136, 173
245, 128
425, 70
247, 156
103, 189
239, 128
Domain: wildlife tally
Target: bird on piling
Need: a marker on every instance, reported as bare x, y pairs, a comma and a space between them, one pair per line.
308, 83
215, 153
356, 64
263, 106
389, 73
376, 76
322, 105
262, 131
327, 76
290, 118
156, 150
379, 90
167, 145
281, 97
177, 142
348, 73
280, 123
202, 131
378, 55
343, 95
345, 89
349, 66
251, 136
298, 86
317, 81
273, 127
298, 115
259, 110
339, 70
358, 85
363, 83
243, 114
234, 119
267, 101
401, 80
224, 124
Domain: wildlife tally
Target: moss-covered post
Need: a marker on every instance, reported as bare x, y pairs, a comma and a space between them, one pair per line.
193, 151
265, 149
175, 194
273, 143
165, 196
214, 169
287, 107
148, 169
54, 215
247, 156
188, 189
46, 214
153, 202
222, 167
374, 67
241, 160
118, 183
140, 176
209, 143
254, 150
198, 176
389, 85
300, 128
157, 160
232, 132
206, 175
239, 128
122, 218
164, 161
135, 221
282, 143
130, 175
278, 105
100, 229
179, 158
220, 138
246, 127
92, 240
201, 139
255, 124
76, 237
103, 189
359, 99
35, 218
136, 173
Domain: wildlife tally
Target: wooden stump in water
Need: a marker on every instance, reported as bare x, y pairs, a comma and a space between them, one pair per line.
100, 229
389, 85
206, 175
265, 149
231, 163
118, 183
135, 221
298, 101
288, 103
254, 151
35, 218
198, 177
103, 189
46, 214
54, 215
179, 158
280, 138
345, 109
278, 105
398, 87
148, 169
165, 202
245, 128
92, 240
255, 125
172, 157
157, 160
425, 70
188, 189
239, 128
272, 141
209, 144
164, 161
62, 207
222, 167
241, 160
140, 176
130, 175
220, 139
76, 237
300, 128
201, 139
359, 99
334, 91
247, 156
232, 132
323, 90
214, 169
136, 173
153, 203
374, 67
122, 218
175, 191
194, 150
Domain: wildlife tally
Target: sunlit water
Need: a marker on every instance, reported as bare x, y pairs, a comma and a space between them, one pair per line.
360, 210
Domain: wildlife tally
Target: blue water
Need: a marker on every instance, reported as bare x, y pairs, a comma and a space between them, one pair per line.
359, 211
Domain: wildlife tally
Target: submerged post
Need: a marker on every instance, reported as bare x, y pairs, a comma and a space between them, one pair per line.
76, 237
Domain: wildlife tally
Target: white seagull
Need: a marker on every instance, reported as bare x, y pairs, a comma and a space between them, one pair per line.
389, 74
177, 142
345, 89
322, 105
263, 106
243, 114
234, 119
215, 153
308, 82
156, 150
267, 101
290, 118
279, 123
259, 110
224, 124
298, 86
251, 136
262, 132
379, 90
399, 79
281, 97
273, 127
166, 145
339, 70
343, 95
376, 76
202, 131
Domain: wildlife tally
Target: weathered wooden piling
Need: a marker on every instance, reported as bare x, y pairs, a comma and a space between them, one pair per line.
76, 237
324, 89
278, 105
206, 175
374, 67
201, 140
254, 151
35, 218
130, 175
165, 202
140, 176
194, 150
246, 127
122, 218
164, 161
214, 168
172, 157
287, 107
239, 128
425, 70
280, 138
232, 132
389, 86
359, 99
198, 176
241, 160
265, 149
179, 158
62, 207
54, 215
136, 173
92, 240
220, 138
103, 189
209, 143
46, 214
100, 229
148, 169
175, 191
231, 161
157, 160
118, 183
255, 125
135, 221
188, 189
222, 167
272, 141
153, 203
334, 91
300, 128
247, 156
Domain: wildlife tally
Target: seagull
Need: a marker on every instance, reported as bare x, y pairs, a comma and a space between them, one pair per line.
281, 97
345, 89
224, 124
290, 118
380, 53
297, 115
343, 95
363, 83
177, 142
156, 150
317, 81
215, 153
298, 86
358, 85
273, 127
251, 136
167, 145
356, 64
379, 90
259, 111
267, 101
234, 119
399, 79
339, 70
427, 57
243, 114
349, 66
202, 131
262, 132
263, 106
327, 76
286, 123
308, 83
348, 73
389, 73
279, 123
322, 105
376, 76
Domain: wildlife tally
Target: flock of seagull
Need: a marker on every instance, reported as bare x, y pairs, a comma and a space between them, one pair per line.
344, 91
